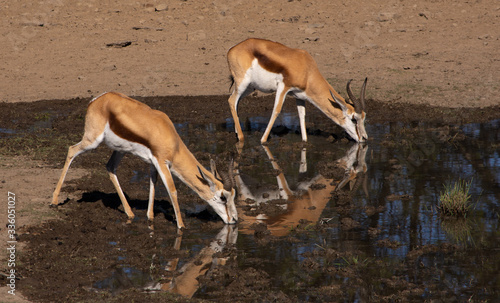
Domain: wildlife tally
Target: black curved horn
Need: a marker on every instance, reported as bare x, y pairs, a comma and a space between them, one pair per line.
362, 95
228, 178
231, 173
358, 106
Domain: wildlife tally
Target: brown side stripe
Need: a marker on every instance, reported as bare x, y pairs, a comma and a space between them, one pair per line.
270, 65
123, 132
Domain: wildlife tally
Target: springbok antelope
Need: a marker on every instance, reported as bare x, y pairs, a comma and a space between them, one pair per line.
309, 198
129, 126
267, 66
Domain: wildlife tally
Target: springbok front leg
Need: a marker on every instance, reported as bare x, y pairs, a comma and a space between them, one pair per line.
168, 181
301, 108
153, 176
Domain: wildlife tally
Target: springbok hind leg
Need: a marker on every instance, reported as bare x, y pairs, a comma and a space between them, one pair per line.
73, 151
113, 163
233, 105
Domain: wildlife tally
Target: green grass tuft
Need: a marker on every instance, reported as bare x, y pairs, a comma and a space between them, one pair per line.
455, 200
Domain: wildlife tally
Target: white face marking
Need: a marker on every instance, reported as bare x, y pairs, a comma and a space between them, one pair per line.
119, 144
260, 79
226, 209
360, 126
350, 128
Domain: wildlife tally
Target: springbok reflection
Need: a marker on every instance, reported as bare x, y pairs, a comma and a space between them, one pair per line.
309, 198
186, 283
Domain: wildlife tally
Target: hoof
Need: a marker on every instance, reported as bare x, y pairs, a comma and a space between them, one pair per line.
130, 220
55, 205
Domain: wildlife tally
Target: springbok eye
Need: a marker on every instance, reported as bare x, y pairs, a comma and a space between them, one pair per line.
354, 121
223, 198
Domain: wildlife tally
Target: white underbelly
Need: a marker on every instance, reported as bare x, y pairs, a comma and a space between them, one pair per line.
117, 143
299, 94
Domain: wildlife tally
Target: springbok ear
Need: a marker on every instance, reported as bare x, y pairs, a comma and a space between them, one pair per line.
214, 171
206, 180
339, 102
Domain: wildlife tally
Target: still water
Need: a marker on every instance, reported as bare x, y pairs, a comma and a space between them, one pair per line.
393, 182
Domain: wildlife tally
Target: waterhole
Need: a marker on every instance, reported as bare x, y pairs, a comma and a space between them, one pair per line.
327, 215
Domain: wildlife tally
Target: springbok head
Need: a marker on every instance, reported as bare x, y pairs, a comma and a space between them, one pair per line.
223, 200
354, 123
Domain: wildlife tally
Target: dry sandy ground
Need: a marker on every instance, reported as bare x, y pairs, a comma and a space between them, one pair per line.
433, 52
30, 183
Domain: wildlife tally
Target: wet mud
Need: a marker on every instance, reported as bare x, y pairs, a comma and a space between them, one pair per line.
311, 227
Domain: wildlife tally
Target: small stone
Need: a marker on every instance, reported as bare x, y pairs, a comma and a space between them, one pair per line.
161, 7
316, 25
119, 44
311, 39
